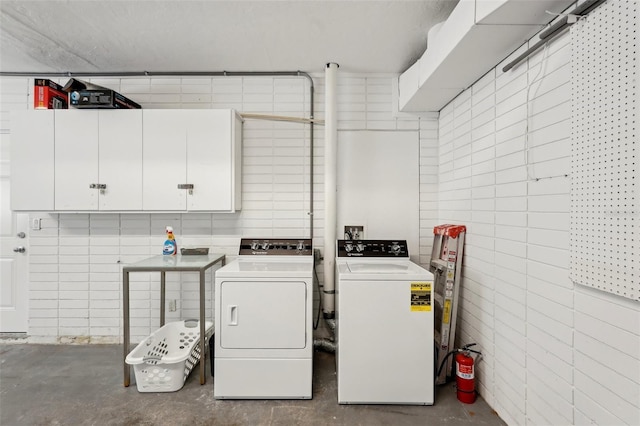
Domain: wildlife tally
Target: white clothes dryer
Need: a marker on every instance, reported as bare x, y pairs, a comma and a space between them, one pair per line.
384, 325
263, 321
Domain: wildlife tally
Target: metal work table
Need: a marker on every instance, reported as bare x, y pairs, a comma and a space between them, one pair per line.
164, 264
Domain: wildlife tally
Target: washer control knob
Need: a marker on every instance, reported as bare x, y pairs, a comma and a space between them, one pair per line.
255, 245
300, 245
348, 247
266, 246
359, 247
395, 248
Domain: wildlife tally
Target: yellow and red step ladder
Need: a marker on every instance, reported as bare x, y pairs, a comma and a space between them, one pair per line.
446, 266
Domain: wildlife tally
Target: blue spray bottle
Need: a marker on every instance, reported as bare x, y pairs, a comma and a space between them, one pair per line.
170, 245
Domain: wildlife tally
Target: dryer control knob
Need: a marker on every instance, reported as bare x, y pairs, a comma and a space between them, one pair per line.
348, 247
359, 247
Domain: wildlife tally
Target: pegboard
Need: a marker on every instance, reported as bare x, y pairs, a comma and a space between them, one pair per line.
605, 177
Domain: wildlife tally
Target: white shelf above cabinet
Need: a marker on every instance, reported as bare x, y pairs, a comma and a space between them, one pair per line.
475, 38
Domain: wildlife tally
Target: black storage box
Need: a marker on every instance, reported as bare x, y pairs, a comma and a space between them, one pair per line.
88, 95
101, 99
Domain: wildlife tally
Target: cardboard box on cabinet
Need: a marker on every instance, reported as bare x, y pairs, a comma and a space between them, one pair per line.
89, 96
48, 94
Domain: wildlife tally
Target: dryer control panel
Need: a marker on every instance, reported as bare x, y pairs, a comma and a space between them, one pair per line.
276, 246
372, 248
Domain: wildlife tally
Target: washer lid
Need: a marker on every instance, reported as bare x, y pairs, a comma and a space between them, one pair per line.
382, 269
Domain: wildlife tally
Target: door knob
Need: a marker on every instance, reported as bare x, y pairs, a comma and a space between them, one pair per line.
21, 235
19, 249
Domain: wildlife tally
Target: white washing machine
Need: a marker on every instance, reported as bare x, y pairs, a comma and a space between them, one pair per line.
263, 321
384, 325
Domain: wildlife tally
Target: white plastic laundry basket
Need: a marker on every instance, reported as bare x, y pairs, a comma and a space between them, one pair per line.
162, 362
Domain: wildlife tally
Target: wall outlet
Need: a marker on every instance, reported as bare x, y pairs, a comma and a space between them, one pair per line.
354, 232
172, 305
36, 224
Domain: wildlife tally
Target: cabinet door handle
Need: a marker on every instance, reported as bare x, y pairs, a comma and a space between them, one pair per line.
233, 314
98, 186
185, 186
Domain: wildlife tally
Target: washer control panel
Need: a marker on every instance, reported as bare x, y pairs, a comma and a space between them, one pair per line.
276, 246
372, 248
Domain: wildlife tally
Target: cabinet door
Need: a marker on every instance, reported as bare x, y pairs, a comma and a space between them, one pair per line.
76, 159
209, 160
120, 159
163, 159
32, 160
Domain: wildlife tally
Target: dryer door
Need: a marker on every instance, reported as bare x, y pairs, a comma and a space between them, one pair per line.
263, 315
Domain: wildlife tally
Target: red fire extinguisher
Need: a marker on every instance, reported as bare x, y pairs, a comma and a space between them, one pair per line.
465, 377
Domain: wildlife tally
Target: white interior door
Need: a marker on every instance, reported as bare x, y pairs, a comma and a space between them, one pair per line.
13, 264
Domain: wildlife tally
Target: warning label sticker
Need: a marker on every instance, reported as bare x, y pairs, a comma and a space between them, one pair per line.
421, 296
446, 313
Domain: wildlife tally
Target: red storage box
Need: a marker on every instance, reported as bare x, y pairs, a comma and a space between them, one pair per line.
48, 94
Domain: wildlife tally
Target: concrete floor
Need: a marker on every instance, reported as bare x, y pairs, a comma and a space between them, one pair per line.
83, 385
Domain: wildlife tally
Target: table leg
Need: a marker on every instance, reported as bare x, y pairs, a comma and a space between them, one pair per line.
125, 313
203, 377
163, 286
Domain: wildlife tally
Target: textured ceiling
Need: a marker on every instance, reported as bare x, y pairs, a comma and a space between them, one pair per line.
233, 35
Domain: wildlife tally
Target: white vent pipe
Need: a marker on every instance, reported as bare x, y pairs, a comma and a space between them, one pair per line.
330, 187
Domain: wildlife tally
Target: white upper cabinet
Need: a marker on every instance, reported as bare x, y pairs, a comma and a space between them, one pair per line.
98, 160
120, 159
126, 160
164, 160
76, 160
191, 160
210, 150
32, 163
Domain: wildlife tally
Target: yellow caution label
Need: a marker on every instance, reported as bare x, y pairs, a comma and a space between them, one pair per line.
421, 296
446, 312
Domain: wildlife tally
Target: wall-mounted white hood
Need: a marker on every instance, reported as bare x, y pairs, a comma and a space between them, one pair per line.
475, 38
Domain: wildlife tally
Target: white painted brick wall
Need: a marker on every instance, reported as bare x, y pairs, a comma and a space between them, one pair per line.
555, 353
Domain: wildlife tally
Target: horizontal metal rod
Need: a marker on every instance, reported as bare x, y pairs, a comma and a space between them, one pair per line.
153, 73
581, 10
281, 118
554, 30
532, 49
559, 25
